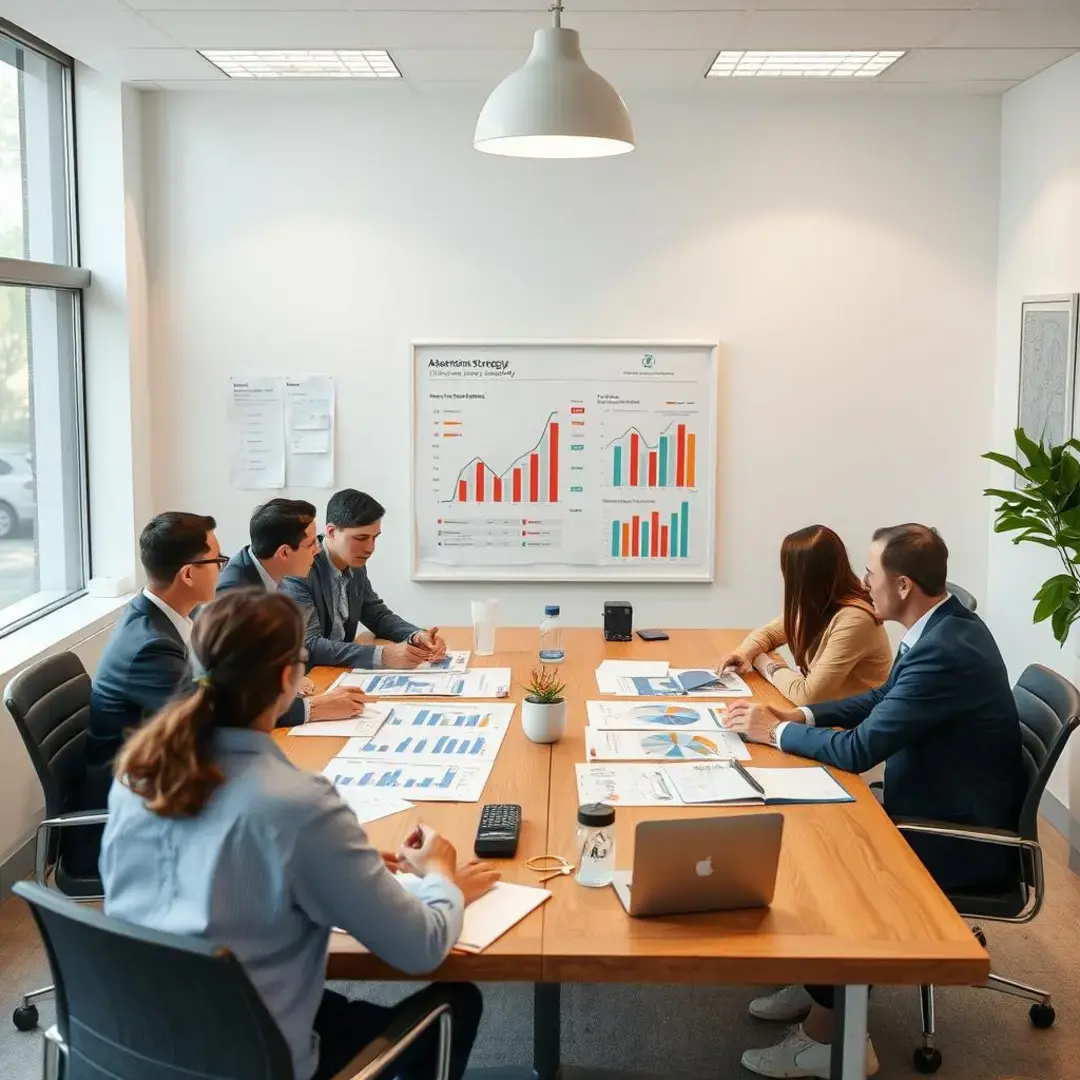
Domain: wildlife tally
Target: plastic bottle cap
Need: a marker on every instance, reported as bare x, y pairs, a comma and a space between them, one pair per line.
596, 814
551, 609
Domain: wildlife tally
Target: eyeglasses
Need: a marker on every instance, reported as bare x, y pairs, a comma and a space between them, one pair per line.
220, 561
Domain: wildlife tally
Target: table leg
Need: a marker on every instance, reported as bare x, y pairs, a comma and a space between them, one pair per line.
547, 1038
849, 1036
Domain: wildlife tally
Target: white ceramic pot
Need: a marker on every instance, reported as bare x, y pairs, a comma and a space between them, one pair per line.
543, 722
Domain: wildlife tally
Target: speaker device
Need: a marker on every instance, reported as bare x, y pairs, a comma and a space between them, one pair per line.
618, 621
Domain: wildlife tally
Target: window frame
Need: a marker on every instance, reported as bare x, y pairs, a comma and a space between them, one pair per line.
73, 280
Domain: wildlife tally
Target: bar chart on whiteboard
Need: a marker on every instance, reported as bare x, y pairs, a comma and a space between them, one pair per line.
564, 460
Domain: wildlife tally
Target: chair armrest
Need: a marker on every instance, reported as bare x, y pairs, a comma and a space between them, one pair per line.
975, 833
41, 843
405, 1028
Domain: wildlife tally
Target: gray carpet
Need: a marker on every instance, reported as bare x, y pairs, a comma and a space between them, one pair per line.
700, 1032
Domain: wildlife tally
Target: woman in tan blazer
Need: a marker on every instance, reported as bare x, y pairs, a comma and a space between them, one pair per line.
839, 645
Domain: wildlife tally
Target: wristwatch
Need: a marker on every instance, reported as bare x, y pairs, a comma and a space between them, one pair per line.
772, 734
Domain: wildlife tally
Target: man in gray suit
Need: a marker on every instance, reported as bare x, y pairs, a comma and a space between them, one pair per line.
337, 597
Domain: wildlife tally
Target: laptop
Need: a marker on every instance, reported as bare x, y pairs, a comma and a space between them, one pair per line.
702, 864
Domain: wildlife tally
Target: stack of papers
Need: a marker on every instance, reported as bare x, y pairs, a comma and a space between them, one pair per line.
489, 916
714, 783
477, 682
675, 682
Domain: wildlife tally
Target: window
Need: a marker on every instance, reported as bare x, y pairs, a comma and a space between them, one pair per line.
43, 551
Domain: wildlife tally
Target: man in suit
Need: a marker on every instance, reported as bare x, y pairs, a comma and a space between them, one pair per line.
146, 657
283, 543
946, 726
337, 596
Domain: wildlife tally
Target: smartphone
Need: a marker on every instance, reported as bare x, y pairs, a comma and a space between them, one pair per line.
652, 635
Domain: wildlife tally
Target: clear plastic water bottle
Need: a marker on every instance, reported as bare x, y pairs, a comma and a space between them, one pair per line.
551, 646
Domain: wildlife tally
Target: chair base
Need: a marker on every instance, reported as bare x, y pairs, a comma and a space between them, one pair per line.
25, 1017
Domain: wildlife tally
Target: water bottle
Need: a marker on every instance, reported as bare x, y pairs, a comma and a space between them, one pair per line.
551, 647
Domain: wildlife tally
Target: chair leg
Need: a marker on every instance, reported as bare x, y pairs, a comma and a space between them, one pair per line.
1017, 989
51, 1059
43, 992
927, 1057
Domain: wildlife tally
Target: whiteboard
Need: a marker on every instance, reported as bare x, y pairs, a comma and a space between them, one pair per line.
564, 461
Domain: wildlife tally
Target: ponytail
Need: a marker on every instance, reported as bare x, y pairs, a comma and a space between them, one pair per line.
242, 644
168, 761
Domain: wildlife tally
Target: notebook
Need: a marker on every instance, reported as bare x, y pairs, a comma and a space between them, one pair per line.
726, 783
490, 916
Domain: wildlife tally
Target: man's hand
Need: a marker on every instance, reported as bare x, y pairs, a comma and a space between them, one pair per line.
306, 687
757, 723
475, 878
432, 642
393, 862
403, 655
733, 661
341, 704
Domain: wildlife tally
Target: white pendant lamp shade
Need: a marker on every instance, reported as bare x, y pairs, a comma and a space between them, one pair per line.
556, 106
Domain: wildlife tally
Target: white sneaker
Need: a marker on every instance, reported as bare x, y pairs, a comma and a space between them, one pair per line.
785, 1006
799, 1055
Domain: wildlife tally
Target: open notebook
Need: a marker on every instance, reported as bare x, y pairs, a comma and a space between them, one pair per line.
491, 915
722, 782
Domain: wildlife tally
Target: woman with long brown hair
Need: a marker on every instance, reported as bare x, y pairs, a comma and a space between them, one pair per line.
213, 833
839, 645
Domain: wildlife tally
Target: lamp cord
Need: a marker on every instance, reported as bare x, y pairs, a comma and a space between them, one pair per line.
556, 10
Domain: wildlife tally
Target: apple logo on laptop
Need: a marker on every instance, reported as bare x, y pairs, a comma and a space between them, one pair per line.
703, 868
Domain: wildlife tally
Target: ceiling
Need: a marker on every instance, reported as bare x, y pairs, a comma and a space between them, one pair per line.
966, 46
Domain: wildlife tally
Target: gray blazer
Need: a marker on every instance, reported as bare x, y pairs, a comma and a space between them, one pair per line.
315, 595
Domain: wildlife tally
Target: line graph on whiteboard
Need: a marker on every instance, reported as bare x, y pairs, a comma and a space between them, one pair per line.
538, 460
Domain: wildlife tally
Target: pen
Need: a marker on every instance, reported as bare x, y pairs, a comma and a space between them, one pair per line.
748, 778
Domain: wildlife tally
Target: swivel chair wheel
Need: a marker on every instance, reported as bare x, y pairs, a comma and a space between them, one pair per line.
26, 1017
926, 1059
1042, 1016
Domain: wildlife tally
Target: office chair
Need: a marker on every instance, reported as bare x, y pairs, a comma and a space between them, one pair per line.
1049, 708
962, 595
50, 704
137, 1004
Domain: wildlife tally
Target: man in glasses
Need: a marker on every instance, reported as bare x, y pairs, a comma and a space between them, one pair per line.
146, 657
337, 597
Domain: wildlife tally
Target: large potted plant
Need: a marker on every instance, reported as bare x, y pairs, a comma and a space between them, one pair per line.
543, 712
1045, 509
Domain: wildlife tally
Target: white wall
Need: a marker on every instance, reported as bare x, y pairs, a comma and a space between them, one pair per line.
842, 251
1039, 253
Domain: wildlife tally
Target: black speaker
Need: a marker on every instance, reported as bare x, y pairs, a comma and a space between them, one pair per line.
618, 621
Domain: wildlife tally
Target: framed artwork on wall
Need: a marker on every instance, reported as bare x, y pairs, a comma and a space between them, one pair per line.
1047, 367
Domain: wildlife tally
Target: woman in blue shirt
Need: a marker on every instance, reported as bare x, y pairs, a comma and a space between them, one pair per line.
213, 833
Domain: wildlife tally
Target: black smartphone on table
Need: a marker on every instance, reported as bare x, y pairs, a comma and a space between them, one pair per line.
652, 635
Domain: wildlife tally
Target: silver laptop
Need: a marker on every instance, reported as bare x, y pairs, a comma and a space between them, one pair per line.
702, 864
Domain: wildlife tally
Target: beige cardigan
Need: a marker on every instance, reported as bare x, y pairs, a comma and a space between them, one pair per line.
852, 656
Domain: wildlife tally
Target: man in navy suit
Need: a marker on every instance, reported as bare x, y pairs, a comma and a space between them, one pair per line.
146, 658
283, 543
946, 726
337, 596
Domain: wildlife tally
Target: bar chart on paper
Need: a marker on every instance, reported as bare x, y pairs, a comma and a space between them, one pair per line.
421, 783
563, 461
652, 535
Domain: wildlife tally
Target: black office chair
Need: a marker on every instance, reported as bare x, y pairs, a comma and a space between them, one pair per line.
1049, 707
962, 595
50, 704
137, 1004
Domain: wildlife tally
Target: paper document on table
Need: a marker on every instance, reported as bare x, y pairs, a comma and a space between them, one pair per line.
634, 667
255, 418
727, 684
624, 785
603, 744
454, 660
359, 727
716, 782
489, 916
370, 805
813, 784
421, 783
671, 685
468, 715
428, 745
476, 682
654, 716
309, 430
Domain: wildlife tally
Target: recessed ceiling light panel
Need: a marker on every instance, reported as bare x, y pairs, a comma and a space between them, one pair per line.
739, 64
303, 63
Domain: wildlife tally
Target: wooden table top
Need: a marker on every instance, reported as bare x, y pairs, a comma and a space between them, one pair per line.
853, 904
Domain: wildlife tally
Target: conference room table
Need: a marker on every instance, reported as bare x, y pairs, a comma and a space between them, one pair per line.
853, 905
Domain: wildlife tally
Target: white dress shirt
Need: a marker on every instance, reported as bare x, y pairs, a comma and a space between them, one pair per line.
909, 641
267, 580
182, 623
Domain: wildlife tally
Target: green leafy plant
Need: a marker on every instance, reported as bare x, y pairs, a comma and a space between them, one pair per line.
1045, 510
543, 686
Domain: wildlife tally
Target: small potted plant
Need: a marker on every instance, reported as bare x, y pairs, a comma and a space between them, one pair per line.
543, 712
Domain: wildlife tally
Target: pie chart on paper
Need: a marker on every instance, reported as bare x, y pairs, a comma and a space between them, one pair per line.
665, 715
677, 744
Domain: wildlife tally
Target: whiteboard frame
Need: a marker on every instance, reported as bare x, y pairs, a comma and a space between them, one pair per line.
607, 574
